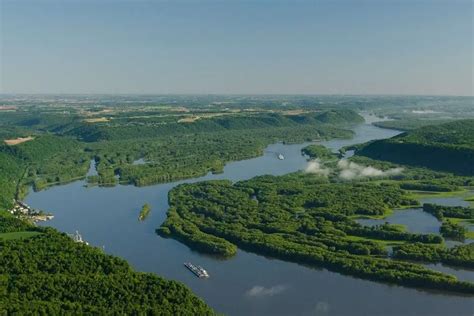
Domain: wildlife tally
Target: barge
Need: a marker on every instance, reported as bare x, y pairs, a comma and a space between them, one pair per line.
199, 271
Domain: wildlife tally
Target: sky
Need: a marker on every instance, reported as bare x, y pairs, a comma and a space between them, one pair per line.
237, 47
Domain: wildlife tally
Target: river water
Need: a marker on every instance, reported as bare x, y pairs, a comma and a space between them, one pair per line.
247, 284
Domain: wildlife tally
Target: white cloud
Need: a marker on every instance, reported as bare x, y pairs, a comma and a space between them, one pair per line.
316, 167
260, 291
351, 170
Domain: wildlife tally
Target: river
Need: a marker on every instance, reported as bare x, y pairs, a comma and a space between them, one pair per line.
247, 284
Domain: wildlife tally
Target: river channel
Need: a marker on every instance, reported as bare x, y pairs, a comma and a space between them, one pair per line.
247, 284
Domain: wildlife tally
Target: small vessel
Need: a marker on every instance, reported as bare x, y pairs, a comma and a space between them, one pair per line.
281, 157
78, 238
199, 271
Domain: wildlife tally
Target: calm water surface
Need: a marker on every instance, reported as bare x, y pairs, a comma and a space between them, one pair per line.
447, 201
417, 221
247, 284
414, 219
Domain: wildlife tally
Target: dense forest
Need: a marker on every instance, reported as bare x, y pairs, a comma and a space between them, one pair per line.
50, 274
42, 161
462, 256
306, 219
453, 230
445, 147
193, 155
409, 124
147, 127
316, 151
171, 146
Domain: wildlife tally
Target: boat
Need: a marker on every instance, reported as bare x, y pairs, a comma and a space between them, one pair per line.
78, 238
199, 271
281, 157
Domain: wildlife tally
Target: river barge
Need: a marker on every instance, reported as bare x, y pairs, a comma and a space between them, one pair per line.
199, 271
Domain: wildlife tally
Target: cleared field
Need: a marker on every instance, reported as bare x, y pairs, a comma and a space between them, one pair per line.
17, 235
190, 119
97, 120
7, 108
294, 112
18, 140
194, 118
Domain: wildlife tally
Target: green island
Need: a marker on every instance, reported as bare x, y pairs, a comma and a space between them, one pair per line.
144, 212
298, 218
315, 151
442, 211
452, 218
311, 218
453, 230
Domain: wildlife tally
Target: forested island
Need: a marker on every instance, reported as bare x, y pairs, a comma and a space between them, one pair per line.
310, 218
144, 212
304, 219
315, 151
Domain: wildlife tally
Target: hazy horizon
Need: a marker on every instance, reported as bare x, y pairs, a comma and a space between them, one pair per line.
233, 94
364, 48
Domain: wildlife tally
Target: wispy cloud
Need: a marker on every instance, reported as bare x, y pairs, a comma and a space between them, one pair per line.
351, 170
348, 170
316, 167
260, 291
322, 308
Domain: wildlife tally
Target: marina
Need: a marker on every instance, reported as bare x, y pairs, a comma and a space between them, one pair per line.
78, 238
24, 211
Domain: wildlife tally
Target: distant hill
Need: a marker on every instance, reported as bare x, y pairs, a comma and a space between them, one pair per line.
262, 121
342, 116
410, 124
445, 147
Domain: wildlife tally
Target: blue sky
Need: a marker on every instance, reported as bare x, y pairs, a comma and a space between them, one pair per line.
300, 47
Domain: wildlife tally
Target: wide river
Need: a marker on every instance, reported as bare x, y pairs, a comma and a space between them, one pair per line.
247, 284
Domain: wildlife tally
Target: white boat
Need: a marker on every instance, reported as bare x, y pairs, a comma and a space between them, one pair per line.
281, 157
